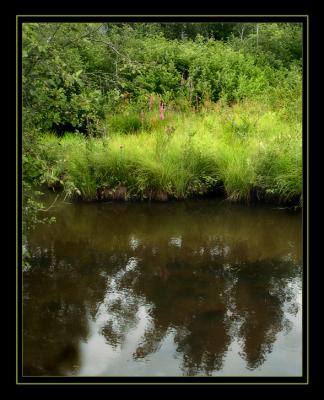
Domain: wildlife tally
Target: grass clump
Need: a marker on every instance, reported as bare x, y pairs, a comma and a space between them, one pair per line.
244, 147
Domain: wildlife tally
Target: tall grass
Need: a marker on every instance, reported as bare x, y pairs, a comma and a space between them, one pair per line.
243, 147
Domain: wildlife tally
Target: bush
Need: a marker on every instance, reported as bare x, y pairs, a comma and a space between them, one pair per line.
233, 109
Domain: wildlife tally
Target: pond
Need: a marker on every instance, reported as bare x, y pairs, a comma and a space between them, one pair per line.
190, 288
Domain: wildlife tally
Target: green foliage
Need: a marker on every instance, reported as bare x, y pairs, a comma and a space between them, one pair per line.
276, 44
125, 122
57, 91
73, 74
233, 96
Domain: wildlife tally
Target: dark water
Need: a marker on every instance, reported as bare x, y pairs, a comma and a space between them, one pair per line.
189, 288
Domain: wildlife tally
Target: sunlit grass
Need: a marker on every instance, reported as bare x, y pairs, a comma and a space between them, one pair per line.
241, 147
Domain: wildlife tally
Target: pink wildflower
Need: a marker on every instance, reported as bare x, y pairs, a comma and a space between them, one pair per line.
162, 109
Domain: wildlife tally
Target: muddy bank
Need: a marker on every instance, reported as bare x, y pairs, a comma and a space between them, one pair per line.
123, 193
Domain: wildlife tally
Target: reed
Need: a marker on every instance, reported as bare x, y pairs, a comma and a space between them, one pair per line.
244, 147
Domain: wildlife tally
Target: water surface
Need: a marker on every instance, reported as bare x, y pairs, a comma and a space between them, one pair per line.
194, 288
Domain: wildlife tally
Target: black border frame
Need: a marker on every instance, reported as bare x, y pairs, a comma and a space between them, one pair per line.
306, 19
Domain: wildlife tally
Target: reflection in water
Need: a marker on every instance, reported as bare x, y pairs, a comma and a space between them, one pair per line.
190, 288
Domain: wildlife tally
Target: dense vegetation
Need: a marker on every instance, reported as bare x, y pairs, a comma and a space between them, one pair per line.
162, 110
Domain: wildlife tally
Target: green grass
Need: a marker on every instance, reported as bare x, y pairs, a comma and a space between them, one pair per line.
243, 147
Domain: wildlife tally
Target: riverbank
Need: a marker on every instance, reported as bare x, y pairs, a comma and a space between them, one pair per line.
247, 151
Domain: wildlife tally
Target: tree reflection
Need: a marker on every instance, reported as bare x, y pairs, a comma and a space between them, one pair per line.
58, 297
208, 304
260, 299
204, 289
